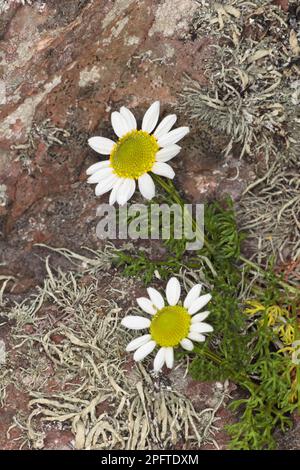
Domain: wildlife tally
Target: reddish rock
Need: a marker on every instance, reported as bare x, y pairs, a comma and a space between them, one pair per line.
58, 440
16, 402
206, 178
72, 65
284, 4
28, 329
57, 339
206, 395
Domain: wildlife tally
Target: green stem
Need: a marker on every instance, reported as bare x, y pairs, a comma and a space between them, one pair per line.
240, 378
243, 380
169, 187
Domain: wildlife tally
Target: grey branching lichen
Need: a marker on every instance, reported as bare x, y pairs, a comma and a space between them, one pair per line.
107, 403
269, 212
253, 93
253, 98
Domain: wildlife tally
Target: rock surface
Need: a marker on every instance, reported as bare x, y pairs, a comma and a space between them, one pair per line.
64, 67
72, 65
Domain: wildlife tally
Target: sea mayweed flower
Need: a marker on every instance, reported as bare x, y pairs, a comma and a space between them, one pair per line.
170, 325
135, 154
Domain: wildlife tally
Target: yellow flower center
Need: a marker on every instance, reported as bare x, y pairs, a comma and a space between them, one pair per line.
170, 325
134, 154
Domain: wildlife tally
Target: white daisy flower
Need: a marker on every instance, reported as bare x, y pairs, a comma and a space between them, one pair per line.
171, 324
135, 154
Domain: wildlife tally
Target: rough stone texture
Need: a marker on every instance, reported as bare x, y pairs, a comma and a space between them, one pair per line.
72, 63
16, 403
284, 4
291, 439
67, 66
172, 16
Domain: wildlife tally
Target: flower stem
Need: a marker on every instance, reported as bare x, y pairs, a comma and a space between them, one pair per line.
169, 187
243, 380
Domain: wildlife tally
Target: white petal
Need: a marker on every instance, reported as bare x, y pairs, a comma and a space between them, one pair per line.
200, 316
125, 191
163, 169
146, 305
138, 342
196, 337
131, 189
167, 153
105, 185
201, 328
144, 350
173, 291
134, 322
119, 189
101, 145
199, 303
151, 117
100, 175
119, 124
156, 298
130, 119
166, 124
193, 294
114, 191
187, 344
169, 357
173, 136
146, 186
159, 359
97, 166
